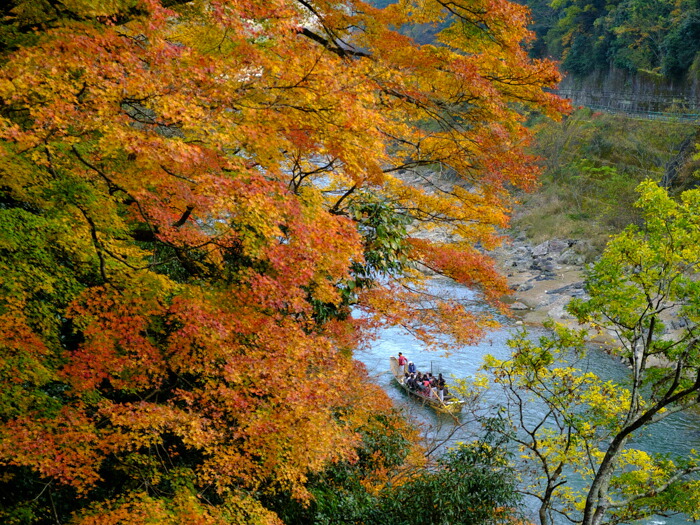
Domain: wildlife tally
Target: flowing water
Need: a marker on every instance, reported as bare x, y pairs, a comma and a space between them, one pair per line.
675, 435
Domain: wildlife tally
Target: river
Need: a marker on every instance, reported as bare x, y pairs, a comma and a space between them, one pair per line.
675, 435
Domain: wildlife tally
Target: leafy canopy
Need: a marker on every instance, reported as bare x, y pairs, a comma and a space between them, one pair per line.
194, 195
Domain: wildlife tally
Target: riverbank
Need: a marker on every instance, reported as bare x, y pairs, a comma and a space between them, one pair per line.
545, 277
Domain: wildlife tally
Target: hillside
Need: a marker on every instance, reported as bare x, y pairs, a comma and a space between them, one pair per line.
592, 165
661, 37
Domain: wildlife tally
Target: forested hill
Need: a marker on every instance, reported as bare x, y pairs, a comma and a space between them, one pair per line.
636, 57
651, 36
658, 37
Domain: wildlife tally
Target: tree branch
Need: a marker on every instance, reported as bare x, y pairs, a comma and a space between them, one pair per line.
182, 220
333, 48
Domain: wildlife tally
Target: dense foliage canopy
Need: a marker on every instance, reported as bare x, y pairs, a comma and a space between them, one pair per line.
193, 198
656, 36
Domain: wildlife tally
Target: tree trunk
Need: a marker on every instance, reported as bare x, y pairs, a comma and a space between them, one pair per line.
596, 501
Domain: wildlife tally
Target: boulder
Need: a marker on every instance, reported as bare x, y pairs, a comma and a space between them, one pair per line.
541, 249
517, 305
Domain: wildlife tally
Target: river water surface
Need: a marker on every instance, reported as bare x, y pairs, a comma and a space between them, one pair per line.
675, 435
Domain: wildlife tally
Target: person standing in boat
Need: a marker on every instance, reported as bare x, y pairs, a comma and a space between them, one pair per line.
441, 387
403, 362
411, 367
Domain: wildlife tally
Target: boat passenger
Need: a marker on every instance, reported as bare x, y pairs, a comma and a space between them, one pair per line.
411, 381
411, 367
418, 381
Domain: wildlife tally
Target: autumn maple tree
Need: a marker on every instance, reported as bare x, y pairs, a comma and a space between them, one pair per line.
194, 196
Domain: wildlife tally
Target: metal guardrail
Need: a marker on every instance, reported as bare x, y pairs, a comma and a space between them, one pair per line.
642, 106
673, 97
648, 115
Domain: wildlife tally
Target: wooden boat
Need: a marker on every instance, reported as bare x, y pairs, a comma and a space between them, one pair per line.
449, 404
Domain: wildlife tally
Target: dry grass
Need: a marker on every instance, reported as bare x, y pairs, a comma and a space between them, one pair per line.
593, 163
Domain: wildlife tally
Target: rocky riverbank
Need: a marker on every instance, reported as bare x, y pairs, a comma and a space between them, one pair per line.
545, 277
